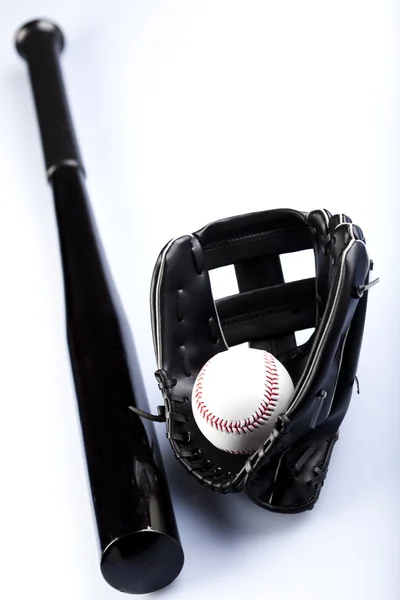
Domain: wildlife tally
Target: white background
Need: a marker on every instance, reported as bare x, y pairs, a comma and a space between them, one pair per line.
189, 111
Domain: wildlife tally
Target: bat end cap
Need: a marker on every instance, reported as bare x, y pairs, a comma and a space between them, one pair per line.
142, 562
35, 29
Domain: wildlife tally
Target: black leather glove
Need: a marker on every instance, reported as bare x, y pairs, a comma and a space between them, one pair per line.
189, 326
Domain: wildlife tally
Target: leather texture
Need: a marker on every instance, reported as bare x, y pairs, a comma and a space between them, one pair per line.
287, 472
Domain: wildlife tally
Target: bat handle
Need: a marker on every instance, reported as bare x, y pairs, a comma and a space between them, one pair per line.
40, 43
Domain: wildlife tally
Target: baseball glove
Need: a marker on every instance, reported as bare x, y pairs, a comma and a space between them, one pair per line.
287, 471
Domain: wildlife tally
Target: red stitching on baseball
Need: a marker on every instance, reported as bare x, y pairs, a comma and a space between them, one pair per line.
260, 415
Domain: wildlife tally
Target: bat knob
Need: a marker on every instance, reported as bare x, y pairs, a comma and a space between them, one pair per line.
34, 31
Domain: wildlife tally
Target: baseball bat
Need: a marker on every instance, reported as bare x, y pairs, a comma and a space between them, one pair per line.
139, 542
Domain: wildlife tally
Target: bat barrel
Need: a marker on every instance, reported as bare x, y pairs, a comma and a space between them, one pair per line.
139, 541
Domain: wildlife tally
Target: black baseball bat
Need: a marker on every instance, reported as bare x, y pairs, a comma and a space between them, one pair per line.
139, 541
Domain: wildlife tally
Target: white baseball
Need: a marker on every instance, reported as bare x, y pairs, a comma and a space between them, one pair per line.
237, 397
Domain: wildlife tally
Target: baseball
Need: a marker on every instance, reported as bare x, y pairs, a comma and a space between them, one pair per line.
237, 397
